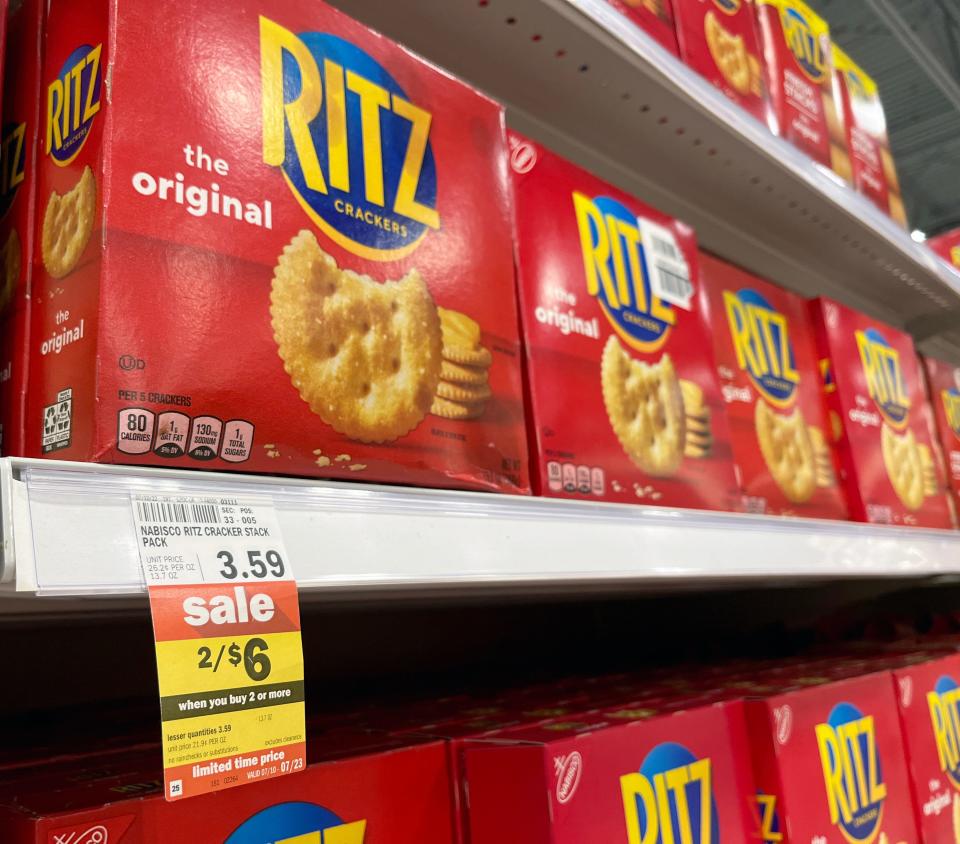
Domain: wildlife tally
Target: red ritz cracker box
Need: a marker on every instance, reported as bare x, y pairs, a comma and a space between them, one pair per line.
829, 764
770, 377
943, 382
653, 16
18, 158
683, 777
308, 271
624, 400
947, 246
864, 158
379, 795
929, 699
718, 39
880, 415
798, 69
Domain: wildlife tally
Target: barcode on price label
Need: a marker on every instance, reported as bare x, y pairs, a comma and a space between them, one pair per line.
668, 269
173, 512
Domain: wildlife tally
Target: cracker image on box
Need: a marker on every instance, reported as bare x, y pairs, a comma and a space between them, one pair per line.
891, 466
312, 275
67, 225
364, 355
624, 399
770, 379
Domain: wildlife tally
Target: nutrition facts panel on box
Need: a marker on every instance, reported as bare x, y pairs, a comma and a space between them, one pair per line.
569, 477
174, 434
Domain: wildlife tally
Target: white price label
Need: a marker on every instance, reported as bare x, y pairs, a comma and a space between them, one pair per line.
668, 268
209, 539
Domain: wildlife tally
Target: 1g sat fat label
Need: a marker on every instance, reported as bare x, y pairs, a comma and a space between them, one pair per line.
226, 620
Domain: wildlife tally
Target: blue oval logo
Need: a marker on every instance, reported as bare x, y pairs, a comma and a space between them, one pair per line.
617, 273
884, 376
670, 807
13, 162
730, 7
804, 45
289, 821
73, 101
853, 775
353, 148
761, 340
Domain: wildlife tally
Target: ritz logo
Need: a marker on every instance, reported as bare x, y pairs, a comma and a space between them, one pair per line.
761, 339
353, 148
852, 773
730, 7
770, 829
881, 366
615, 264
951, 407
73, 100
944, 703
804, 44
670, 799
297, 823
13, 162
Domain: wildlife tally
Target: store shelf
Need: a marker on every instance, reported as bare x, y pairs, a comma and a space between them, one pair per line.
68, 530
581, 78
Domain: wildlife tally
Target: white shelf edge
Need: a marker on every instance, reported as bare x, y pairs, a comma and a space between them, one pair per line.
73, 535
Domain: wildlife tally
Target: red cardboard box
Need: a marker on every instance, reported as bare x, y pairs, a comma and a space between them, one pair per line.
868, 162
947, 246
928, 695
18, 157
798, 70
829, 764
679, 777
654, 16
382, 795
624, 399
308, 271
718, 39
879, 412
943, 381
770, 378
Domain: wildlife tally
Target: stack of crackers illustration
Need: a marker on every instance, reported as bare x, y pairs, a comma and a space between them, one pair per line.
463, 390
699, 439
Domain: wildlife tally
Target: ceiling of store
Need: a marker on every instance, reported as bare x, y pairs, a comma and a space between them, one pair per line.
912, 49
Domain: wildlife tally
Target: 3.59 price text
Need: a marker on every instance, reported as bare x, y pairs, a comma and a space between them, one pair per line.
259, 564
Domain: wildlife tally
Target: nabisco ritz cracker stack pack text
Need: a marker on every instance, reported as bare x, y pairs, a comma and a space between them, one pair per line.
796, 50
306, 270
862, 152
18, 159
624, 400
770, 378
943, 383
881, 419
718, 39
929, 698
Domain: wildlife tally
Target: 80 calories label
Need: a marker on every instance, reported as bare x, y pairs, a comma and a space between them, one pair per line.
226, 620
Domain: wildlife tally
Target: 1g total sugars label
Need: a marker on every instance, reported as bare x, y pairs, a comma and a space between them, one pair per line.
227, 626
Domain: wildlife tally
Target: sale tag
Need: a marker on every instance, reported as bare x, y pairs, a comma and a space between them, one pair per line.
226, 619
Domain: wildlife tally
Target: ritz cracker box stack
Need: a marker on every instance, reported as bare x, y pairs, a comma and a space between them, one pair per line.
829, 764
929, 698
862, 155
718, 39
943, 385
798, 69
18, 158
770, 378
340, 798
307, 270
653, 16
881, 419
681, 777
612, 315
